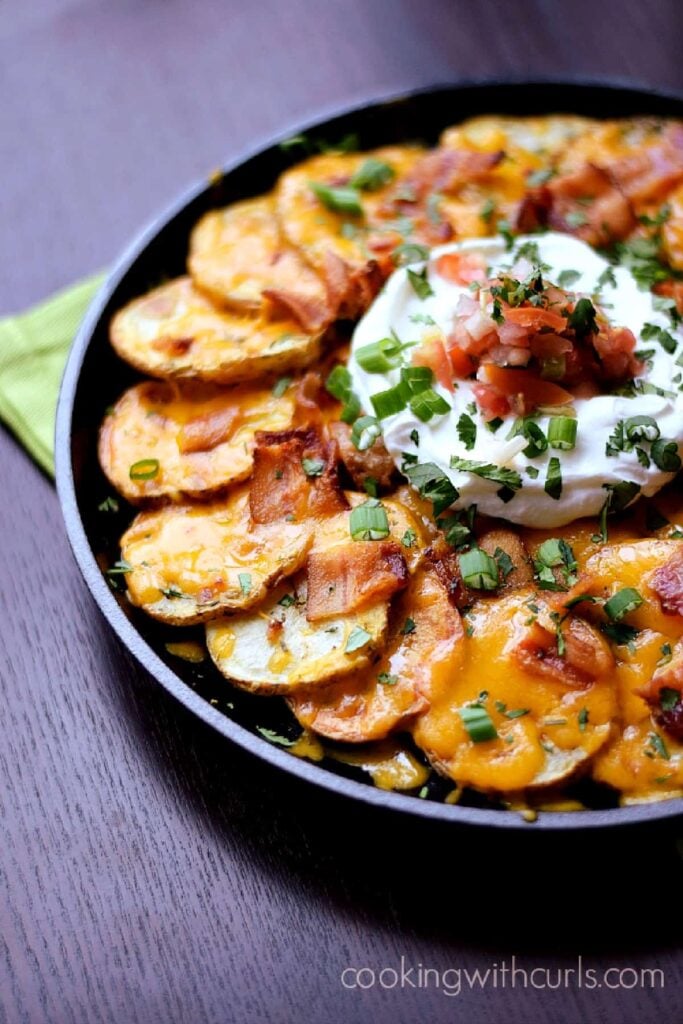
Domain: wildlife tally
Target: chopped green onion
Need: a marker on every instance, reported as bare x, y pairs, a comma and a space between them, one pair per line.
417, 378
409, 539
389, 402
351, 409
343, 199
358, 637
338, 383
562, 432
478, 723
109, 504
371, 486
621, 603
478, 570
365, 432
369, 521
245, 582
372, 174
421, 285
281, 386
120, 568
145, 469
408, 627
553, 480
583, 719
428, 404
381, 356
387, 679
313, 467
286, 601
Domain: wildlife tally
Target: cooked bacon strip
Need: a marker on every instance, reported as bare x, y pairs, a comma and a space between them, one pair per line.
350, 290
350, 576
667, 677
310, 310
589, 204
667, 583
205, 432
513, 545
374, 462
649, 175
586, 657
280, 487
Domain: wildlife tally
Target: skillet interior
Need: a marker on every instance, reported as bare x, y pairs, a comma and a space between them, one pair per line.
95, 377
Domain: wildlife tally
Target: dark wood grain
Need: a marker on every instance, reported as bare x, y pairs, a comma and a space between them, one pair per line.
151, 872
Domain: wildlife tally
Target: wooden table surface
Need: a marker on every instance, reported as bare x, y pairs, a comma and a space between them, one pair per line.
151, 872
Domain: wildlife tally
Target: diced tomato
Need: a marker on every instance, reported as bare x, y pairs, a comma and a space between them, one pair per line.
615, 346
462, 363
533, 390
491, 402
462, 267
534, 318
432, 353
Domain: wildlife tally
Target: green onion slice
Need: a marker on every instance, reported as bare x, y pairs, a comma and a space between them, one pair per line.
382, 356
145, 469
478, 570
389, 402
478, 723
343, 199
372, 174
427, 404
365, 432
369, 521
562, 433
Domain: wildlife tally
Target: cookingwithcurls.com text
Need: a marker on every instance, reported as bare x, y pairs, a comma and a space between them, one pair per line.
504, 973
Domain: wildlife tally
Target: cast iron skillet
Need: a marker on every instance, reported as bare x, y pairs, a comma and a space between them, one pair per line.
95, 377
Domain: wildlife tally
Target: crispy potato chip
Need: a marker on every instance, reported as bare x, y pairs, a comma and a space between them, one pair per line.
190, 563
424, 632
196, 438
176, 331
238, 255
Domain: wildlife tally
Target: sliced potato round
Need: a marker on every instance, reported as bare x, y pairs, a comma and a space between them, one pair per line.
277, 650
186, 438
237, 254
190, 563
547, 726
342, 247
424, 631
404, 528
176, 331
547, 135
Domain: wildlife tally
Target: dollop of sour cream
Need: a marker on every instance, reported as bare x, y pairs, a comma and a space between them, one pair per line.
586, 469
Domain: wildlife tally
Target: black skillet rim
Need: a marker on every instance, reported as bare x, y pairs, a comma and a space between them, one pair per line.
626, 96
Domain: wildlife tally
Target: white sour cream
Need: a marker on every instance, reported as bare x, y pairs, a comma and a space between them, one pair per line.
586, 468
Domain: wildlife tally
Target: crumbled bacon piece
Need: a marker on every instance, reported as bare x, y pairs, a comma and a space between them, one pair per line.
589, 204
586, 656
375, 463
350, 576
667, 583
203, 433
280, 487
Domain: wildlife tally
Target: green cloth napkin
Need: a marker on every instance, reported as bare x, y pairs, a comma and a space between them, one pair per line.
33, 350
